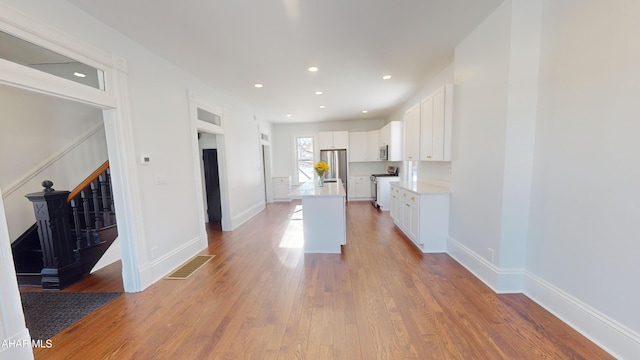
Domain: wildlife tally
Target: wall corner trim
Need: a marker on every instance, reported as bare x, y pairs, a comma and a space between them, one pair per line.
501, 281
613, 337
158, 268
247, 214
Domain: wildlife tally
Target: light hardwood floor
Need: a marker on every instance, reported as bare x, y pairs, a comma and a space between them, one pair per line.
262, 298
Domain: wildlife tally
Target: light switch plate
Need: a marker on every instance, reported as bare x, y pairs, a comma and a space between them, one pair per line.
160, 179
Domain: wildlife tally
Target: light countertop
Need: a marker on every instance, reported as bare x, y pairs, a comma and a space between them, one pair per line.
310, 189
421, 187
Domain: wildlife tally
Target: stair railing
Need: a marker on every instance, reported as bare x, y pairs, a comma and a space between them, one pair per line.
92, 207
63, 217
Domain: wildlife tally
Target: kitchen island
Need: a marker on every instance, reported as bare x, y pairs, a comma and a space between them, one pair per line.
323, 216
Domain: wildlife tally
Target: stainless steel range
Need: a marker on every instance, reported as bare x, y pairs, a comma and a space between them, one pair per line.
380, 187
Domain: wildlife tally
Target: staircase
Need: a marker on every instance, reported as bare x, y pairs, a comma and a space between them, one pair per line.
73, 230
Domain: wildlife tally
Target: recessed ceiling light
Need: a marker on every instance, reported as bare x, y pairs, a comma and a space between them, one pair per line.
288, 115
258, 85
313, 68
322, 106
79, 74
365, 111
318, 92
386, 77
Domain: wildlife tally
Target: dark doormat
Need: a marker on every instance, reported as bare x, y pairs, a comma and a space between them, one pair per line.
47, 313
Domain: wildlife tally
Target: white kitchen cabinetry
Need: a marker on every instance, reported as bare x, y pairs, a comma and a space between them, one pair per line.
359, 188
363, 146
357, 146
421, 211
328, 140
391, 136
412, 133
281, 188
373, 150
394, 204
436, 114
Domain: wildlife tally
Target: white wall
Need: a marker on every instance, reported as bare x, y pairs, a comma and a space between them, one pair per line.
585, 232
160, 115
44, 138
480, 120
545, 127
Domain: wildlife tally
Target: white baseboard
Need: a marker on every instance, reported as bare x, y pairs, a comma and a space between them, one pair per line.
158, 268
246, 215
501, 281
17, 347
615, 338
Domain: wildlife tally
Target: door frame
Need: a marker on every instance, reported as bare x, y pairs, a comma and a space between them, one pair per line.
114, 102
196, 125
265, 163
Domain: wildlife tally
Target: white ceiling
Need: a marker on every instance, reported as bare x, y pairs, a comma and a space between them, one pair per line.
233, 44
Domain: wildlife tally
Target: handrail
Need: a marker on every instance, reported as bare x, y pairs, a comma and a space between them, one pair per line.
94, 175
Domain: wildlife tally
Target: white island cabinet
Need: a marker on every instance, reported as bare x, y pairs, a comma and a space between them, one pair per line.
323, 216
421, 211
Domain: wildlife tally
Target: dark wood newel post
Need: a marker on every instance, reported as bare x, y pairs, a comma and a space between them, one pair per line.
60, 266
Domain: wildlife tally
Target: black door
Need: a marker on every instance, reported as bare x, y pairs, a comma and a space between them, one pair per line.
212, 184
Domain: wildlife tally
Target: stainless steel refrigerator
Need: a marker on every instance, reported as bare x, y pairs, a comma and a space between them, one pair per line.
337, 160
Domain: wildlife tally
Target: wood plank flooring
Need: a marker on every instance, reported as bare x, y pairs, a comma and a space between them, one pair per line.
262, 298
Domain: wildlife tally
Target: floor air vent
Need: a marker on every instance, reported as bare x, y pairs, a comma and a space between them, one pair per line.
188, 268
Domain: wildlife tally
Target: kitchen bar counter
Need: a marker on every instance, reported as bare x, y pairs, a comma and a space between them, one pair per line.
323, 216
310, 189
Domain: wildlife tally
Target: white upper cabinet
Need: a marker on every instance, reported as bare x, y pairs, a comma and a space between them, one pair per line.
436, 115
357, 146
333, 140
373, 150
391, 136
363, 146
384, 135
412, 133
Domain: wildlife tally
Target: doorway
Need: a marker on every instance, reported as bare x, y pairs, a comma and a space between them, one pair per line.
212, 184
266, 173
112, 101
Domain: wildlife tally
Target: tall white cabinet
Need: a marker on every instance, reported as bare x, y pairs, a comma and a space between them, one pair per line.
436, 115
428, 127
412, 133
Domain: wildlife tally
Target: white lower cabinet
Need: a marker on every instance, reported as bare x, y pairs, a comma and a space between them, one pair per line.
281, 188
423, 216
359, 188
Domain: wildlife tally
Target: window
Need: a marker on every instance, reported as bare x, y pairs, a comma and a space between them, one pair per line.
36, 57
209, 117
304, 159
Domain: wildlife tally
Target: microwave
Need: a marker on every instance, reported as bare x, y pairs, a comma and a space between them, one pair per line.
384, 152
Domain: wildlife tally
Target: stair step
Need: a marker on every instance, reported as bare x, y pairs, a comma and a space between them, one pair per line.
29, 279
